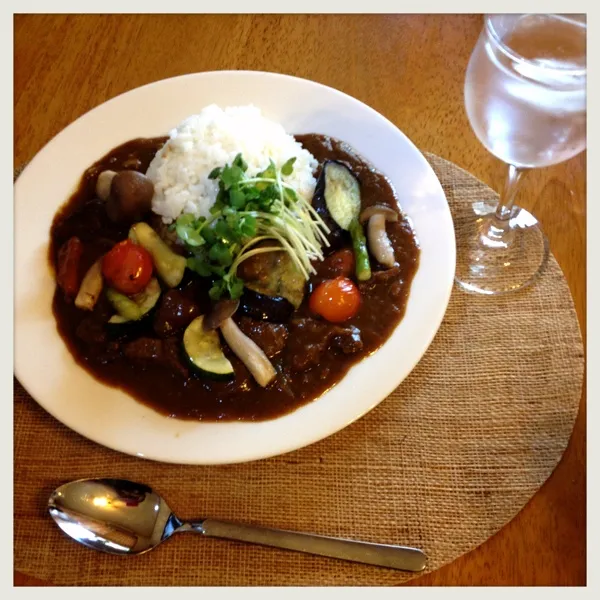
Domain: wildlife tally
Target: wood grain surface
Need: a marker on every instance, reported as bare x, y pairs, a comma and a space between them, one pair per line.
411, 69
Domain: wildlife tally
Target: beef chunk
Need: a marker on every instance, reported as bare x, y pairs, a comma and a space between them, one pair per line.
151, 352
340, 263
347, 339
309, 338
385, 277
270, 337
175, 313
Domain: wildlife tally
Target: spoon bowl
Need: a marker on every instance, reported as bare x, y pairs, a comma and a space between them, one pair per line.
122, 517
112, 515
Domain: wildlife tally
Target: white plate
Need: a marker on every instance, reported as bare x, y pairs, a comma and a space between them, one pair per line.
110, 417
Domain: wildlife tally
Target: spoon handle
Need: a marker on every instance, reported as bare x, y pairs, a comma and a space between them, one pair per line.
383, 555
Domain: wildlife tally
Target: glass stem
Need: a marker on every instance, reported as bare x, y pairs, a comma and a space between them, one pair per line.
509, 193
497, 232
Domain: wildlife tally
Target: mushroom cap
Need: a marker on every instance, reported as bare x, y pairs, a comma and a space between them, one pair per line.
103, 184
130, 196
222, 310
388, 213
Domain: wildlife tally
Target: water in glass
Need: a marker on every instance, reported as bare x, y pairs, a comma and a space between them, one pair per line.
532, 112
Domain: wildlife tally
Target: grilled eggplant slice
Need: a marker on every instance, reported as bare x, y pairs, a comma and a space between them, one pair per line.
273, 287
262, 307
337, 200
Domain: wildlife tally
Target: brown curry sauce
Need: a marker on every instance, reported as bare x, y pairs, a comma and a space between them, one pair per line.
173, 391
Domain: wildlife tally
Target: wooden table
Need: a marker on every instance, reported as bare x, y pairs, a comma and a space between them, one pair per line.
411, 69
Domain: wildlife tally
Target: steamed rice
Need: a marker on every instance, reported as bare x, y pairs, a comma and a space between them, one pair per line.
212, 138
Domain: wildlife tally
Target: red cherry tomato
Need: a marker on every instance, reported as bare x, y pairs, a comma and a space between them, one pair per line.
127, 267
336, 299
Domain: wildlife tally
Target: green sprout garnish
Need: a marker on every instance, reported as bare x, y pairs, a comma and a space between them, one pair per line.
247, 211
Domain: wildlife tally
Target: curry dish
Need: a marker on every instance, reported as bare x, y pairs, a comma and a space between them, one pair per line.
309, 331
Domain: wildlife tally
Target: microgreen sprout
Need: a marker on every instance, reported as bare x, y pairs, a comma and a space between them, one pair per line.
248, 211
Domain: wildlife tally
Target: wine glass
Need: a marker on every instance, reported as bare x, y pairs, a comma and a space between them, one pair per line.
525, 97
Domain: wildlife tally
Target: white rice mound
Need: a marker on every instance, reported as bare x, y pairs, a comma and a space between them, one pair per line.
212, 138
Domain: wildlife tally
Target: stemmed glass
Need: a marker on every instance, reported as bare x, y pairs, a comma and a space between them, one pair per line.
525, 97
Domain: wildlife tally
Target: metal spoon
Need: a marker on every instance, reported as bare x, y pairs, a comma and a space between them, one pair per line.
122, 517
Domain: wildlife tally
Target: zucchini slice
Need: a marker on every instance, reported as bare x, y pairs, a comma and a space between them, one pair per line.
169, 265
118, 320
124, 306
203, 351
136, 307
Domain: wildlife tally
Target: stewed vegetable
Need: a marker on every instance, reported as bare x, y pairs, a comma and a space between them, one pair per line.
67, 272
91, 287
128, 194
169, 266
133, 308
252, 216
340, 191
336, 300
379, 242
202, 348
127, 267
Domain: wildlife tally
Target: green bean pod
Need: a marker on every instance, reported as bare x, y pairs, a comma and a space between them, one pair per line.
361, 254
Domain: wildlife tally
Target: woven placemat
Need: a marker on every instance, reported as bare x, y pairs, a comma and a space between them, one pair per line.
442, 464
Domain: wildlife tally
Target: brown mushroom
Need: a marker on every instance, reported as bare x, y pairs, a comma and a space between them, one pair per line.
378, 209
103, 184
222, 310
379, 242
128, 194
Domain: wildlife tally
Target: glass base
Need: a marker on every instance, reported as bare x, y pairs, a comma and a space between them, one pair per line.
499, 257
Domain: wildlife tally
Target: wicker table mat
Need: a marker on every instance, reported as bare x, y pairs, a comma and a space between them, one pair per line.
442, 464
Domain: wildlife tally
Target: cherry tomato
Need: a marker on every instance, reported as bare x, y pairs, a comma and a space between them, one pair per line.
127, 267
336, 299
